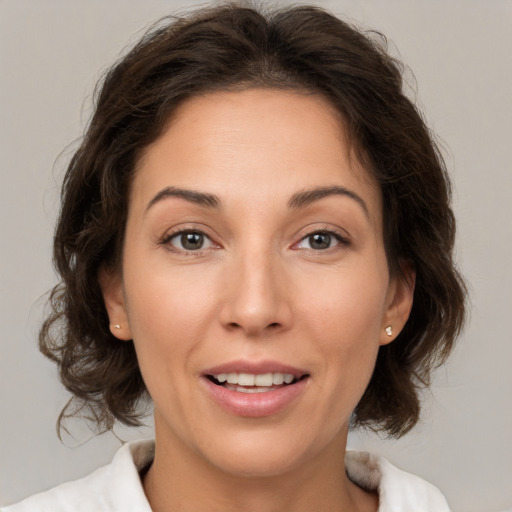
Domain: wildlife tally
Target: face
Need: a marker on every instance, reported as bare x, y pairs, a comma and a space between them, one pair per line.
254, 257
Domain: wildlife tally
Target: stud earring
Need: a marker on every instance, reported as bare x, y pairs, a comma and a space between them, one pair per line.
389, 330
116, 326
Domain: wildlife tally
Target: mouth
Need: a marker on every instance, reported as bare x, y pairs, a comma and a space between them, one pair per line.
255, 382
255, 389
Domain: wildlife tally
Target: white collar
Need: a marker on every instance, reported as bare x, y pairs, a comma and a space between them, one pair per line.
118, 488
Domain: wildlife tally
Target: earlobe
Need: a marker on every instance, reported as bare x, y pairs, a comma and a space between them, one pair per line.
112, 290
401, 293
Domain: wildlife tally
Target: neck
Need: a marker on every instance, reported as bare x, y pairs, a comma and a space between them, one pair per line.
181, 480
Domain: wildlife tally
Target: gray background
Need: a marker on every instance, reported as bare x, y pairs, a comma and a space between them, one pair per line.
51, 54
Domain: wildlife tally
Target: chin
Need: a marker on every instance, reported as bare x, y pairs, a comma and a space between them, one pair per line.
263, 455
254, 464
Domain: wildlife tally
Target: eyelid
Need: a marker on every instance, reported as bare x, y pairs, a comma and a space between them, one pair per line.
340, 235
182, 229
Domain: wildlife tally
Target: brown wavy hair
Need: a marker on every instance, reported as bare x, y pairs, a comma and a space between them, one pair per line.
228, 47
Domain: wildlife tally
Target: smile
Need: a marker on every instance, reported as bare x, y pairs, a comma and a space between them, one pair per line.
253, 383
255, 394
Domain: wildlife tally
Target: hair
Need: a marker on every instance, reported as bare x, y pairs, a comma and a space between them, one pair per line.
233, 46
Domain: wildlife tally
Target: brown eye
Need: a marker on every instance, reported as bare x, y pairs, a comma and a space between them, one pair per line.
321, 240
190, 241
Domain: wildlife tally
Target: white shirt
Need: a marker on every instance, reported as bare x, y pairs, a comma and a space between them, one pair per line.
117, 487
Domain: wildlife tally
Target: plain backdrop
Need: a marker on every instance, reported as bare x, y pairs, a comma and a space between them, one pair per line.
51, 54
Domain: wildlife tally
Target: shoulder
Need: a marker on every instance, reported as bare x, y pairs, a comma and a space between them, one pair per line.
112, 488
398, 490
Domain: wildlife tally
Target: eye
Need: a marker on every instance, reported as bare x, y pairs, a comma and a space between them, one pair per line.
189, 241
321, 240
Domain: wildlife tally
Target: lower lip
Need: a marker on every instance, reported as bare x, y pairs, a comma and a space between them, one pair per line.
255, 405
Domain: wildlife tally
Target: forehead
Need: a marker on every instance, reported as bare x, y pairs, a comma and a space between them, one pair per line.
251, 144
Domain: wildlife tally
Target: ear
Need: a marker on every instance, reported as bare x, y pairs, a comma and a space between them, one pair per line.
399, 304
112, 289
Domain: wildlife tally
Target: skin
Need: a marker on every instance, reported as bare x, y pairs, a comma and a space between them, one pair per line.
257, 290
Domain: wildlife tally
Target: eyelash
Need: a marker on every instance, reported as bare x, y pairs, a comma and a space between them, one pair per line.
342, 240
166, 241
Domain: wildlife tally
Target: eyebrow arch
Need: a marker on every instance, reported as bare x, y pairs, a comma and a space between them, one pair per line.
200, 198
306, 197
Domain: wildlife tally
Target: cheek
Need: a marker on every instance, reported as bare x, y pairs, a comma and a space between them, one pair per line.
159, 295
168, 310
348, 303
343, 316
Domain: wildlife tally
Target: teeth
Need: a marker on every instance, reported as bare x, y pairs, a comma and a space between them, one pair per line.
245, 379
252, 390
277, 379
261, 380
264, 380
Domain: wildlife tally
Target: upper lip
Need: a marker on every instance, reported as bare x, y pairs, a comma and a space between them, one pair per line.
255, 367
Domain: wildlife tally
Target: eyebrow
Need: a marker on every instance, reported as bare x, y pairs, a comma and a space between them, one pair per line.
200, 198
306, 197
298, 200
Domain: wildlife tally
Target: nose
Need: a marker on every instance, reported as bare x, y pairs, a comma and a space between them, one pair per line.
256, 299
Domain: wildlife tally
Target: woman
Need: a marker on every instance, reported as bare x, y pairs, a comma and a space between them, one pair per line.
256, 234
